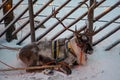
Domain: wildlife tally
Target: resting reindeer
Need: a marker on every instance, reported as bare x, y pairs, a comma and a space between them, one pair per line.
70, 52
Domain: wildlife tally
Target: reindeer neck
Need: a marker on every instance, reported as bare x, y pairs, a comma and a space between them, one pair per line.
74, 45
80, 45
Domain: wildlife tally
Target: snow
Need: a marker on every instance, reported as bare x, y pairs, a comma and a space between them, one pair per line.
101, 65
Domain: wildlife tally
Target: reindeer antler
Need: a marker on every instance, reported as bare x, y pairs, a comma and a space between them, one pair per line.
54, 14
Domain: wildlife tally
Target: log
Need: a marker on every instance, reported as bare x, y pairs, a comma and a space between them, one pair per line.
32, 68
112, 45
106, 25
107, 35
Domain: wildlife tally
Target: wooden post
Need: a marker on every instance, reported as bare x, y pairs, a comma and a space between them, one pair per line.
11, 10
8, 19
3, 3
90, 19
31, 17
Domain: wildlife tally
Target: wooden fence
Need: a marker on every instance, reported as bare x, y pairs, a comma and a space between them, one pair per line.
32, 16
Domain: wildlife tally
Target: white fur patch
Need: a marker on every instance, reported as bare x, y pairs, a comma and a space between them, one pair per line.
77, 51
34, 50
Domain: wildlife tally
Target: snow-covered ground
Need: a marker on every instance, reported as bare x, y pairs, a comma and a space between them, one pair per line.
101, 65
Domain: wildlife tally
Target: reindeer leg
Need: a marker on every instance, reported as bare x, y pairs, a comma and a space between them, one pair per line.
31, 65
65, 68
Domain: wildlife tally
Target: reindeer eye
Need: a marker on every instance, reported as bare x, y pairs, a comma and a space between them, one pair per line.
84, 38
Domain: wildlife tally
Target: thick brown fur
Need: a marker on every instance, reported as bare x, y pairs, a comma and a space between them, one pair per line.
29, 54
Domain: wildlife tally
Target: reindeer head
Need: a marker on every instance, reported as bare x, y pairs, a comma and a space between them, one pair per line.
81, 38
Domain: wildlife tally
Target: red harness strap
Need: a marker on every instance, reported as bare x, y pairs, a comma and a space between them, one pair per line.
81, 53
81, 57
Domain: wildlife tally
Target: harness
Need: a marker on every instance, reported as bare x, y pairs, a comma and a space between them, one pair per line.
68, 48
55, 49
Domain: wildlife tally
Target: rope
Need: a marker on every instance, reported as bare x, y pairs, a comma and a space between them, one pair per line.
9, 48
6, 64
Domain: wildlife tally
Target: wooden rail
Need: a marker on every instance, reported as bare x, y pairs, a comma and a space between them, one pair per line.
83, 15
100, 16
24, 24
113, 45
11, 10
107, 35
91, 20
3, 4
14, 21
51, 28
21, 40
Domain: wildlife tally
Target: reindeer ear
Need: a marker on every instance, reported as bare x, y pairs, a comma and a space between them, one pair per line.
76, 28
76, 35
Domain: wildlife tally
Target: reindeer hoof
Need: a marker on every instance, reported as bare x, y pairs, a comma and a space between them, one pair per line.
29, 71
48, 72
65, 69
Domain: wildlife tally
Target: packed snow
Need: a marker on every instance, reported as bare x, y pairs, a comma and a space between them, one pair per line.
101, 65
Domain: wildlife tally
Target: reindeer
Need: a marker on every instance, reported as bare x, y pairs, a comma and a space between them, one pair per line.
71, 52
66, 52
